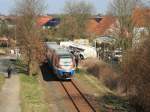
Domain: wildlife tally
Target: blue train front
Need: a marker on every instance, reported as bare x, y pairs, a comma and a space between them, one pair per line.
61, 60
65, 70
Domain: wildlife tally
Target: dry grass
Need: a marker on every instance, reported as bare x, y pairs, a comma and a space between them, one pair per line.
108, 101
102, 71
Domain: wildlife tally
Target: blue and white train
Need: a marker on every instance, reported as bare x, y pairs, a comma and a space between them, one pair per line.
61, 61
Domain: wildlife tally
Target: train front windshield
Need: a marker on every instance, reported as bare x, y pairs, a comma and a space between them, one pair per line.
65, 61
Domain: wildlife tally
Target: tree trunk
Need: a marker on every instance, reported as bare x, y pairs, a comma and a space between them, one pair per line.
29, 71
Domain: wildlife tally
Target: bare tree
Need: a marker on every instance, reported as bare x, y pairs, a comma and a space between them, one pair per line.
135, 64
28, 34
122, 10
68, 27
146, 15
76, 15
136, 68
3, 28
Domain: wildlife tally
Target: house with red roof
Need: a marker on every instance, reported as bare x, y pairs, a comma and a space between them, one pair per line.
48, 21
141, 17
109, 25
43, 20
101, 26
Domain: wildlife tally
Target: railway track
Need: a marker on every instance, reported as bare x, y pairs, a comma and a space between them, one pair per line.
77, 97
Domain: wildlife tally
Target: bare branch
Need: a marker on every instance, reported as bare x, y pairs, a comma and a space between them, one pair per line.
28, 34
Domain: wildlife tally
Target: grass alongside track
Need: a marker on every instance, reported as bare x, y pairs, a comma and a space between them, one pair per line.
2, 80
92, 81
108, 100
32, 95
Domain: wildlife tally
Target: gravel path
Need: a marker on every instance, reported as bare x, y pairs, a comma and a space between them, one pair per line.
9, 95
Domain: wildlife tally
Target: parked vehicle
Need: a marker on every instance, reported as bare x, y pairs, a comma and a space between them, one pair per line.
66, 44
82, 41
61, 61
84, 51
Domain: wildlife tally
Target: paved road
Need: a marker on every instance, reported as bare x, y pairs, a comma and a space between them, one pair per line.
9, 95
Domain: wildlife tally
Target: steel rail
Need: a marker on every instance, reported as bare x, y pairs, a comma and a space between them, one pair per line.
80, 93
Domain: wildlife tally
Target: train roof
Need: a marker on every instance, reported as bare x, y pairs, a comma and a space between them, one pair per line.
58, 49
62, 51
51, 45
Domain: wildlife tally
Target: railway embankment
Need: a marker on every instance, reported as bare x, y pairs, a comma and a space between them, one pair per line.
100, 83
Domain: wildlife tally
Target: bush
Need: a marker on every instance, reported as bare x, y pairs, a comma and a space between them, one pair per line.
109, 78
136, 70
102, 71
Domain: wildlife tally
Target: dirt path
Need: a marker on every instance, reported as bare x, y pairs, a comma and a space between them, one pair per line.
9, 95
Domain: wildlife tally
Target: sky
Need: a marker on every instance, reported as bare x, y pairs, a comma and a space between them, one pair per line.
54, 6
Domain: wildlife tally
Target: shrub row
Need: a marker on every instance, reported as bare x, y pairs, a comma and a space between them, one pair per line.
102, 71
136, 75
